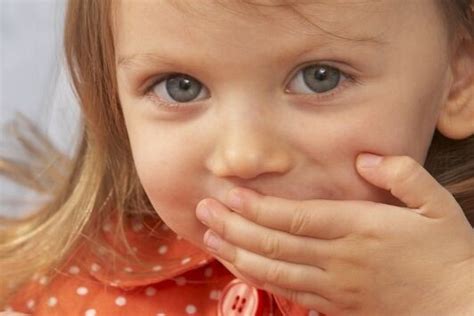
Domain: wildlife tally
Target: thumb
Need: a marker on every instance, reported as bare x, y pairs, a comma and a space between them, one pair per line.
409, 182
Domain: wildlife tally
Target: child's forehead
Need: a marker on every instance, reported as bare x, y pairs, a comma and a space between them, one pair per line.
231, 32
287, 10
351, 19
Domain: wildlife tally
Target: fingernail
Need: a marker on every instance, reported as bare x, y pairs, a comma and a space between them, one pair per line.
203, 213
234, 200
211, 240
368, 160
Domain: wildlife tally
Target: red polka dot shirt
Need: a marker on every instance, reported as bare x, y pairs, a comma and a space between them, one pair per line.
183, 280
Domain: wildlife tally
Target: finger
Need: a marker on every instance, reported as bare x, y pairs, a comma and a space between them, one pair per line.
309, 300
265, 241
409, 182
324, 219
279, 273
314, 302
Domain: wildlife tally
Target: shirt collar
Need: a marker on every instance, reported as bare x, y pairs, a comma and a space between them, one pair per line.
168, 256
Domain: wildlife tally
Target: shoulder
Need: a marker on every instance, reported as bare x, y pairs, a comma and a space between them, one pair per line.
76, 292
68, 294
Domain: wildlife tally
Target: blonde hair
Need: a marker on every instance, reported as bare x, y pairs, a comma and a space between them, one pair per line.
100, 181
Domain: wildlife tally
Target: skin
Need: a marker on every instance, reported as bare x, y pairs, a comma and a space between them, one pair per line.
306, 147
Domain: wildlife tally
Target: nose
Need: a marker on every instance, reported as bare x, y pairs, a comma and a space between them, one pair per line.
248, 148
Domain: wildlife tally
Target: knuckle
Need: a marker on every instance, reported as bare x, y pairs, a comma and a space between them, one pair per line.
253, 211
350, 302
407, 169
270, 246
299, 222
408, 162
370, 227
350, 307
350, 290
294, 297
404, 175
301, 299
223, 230
275, 274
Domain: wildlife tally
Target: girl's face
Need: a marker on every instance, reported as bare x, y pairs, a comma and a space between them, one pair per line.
268, 102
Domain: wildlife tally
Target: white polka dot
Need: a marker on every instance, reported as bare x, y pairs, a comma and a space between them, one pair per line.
120, 301
180, 281
128, 269
313, 313
43, 280
215, 295
185, 260
107, 227
161, 314
157, 268
134, 249
164, 228
74, 270
35, 277
191, 309
179, 237
82, 291
208, 272
52, 301
90, 312
95, 267
163, 249
202, 262
150, 291
30, 304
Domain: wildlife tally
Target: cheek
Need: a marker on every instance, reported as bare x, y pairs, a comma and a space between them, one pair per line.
381, 139
336, 138
334, 141
398, 125
167, 172
163, 171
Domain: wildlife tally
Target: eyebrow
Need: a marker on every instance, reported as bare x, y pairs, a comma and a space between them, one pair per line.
125, 61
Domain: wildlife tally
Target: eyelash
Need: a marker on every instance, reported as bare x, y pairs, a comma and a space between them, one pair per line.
349, 80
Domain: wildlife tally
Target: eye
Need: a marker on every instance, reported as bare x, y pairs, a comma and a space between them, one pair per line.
315, 78
178, 88
174, 90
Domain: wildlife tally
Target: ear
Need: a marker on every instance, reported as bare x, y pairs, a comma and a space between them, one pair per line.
456, 118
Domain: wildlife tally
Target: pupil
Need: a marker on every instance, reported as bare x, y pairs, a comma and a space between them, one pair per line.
185, 84
321, 74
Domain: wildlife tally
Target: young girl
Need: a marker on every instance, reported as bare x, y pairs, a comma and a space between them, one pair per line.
224, 166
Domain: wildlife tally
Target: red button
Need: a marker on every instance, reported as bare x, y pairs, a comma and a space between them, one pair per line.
240, 299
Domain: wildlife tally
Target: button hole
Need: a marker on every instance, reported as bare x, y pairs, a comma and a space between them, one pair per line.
240, 310
244, 300
233, 307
